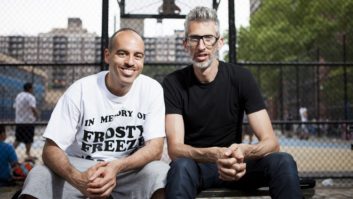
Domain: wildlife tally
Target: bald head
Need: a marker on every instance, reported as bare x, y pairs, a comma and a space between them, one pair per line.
119, 32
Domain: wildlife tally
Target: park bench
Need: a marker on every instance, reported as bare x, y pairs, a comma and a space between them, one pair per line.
307, 186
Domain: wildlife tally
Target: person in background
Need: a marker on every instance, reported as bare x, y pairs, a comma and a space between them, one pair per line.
8, 159
205, 104
303, 128
247, 131
25, 114
288, 127
105, 136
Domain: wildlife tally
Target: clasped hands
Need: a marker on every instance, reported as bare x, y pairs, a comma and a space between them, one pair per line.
99, 180
231, 164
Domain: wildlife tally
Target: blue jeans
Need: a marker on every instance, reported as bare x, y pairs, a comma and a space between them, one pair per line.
186, 178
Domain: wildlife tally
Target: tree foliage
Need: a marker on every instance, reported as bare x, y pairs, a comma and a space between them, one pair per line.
291, 30
300, 31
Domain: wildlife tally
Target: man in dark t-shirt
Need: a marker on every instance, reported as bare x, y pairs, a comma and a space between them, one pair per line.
205, 104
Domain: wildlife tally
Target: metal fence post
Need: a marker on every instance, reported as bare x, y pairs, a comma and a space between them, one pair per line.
317, 79
232, 33
297, 92
345, 78
105, 37
317, 85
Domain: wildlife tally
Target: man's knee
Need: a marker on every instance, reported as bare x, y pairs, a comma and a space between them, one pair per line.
37, 183
156, 168
151, 179
183, 179
183, 164
39, 170
183, 168
283, 162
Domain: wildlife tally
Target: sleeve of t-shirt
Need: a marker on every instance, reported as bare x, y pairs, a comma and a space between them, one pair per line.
251, 94
173, 103
155, 119
63, 123
32, 102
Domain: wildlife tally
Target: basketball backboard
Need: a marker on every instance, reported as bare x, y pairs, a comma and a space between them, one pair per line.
161, 9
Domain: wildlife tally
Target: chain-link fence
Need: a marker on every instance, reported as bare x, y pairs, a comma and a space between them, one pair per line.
299, 52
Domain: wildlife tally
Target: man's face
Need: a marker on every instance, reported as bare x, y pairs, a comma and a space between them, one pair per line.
125, 59
203, 43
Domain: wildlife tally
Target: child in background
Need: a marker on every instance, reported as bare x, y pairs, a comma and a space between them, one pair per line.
10, 169
8, 159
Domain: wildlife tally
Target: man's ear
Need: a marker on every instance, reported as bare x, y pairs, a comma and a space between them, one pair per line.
220, 43
106, 55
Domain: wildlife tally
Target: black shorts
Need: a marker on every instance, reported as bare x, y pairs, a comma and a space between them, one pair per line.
24, 133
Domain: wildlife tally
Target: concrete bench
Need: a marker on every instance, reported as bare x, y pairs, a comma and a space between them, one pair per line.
307, 186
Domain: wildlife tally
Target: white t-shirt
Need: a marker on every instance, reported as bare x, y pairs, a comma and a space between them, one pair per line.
92, 123
24, 102
303, 114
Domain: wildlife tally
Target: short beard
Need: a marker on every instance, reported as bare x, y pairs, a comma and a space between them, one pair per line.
207, 63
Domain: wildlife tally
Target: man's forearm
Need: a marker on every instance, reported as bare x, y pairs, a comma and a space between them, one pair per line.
210, 154
56, 160
260, 149
148, 153
261, 125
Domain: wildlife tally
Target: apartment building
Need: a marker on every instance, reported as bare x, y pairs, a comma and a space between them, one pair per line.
74, 44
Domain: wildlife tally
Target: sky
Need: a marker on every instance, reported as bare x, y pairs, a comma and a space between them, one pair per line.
30, 17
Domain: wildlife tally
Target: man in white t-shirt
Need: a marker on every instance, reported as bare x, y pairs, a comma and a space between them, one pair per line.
105, 135
303, 130
26, 114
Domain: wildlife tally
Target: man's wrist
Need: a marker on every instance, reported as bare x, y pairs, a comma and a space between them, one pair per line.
245, 148
77, 178
117, 166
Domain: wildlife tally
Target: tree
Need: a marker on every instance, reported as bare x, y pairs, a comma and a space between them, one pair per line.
299, 30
